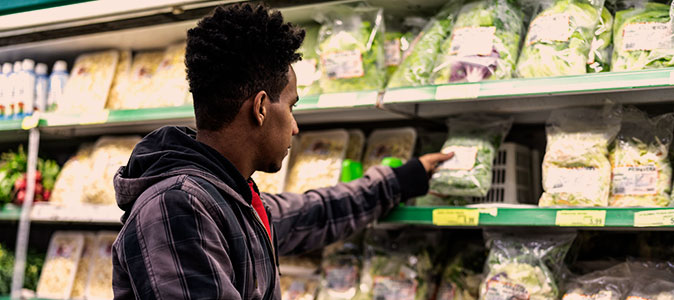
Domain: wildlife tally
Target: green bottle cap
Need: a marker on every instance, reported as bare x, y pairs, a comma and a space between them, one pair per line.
351, 170
392, 162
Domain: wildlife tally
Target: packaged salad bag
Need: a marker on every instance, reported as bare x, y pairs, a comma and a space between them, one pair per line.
641, 170
484, 43
341, 268
474, 140
599, 59
559, 38
610, 284
576, 169
642, 36
419, 59
308, 69
524, 265
350, 44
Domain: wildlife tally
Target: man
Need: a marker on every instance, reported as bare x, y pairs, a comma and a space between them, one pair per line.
195, 225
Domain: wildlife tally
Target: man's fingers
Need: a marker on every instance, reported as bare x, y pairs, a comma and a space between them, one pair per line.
431, 161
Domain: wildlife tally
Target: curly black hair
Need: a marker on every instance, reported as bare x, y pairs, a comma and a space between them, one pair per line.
234, 53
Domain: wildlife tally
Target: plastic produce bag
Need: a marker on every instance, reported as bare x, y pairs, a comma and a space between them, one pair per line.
120, 82
298, 287
60, 267
651, 281
576, 169
642, 36
340, 270
609, 284
143, 69
80, 283
474, 140
419, 60
308, 70
459, 281
382, 143
169, 83
99, 285
350, 43
89, 83
484, 43
524, 265
398, 39
318, 162
397, 267
641, 171
600, 52
108, 155
559, 39
69, 187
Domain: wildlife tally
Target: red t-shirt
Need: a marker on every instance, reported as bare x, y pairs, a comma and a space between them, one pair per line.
259, 208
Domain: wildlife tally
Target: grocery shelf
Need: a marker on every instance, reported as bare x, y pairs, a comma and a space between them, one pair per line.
533, 94
10, 212
533, 217
81, 213
342, 107
9, 125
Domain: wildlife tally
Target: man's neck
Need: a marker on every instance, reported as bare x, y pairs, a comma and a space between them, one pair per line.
233, 146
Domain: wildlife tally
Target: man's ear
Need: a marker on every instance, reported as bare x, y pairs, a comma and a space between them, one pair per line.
260, 103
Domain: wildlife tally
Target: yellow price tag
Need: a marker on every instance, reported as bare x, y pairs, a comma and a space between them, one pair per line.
590, 218
652, 218
456, 217
96, 117
30, 122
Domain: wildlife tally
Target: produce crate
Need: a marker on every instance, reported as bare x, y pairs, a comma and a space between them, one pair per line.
513, 177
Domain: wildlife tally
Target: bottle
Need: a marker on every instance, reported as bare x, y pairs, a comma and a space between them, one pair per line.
14, 109
41, 87
57, 84
27, 83
3, 91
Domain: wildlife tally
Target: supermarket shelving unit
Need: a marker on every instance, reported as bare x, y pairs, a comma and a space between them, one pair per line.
136, 26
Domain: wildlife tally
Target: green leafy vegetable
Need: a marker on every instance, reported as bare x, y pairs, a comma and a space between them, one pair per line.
642, 38
600, 54
307, 70
484, 43
559, 39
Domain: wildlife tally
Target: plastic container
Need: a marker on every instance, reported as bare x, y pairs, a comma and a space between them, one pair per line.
82, 274
88, 86
17, 92
319, 160
109, 154
351, 170
383, 143
356, 142
169, 83
120, 82
27, 85
99, 284
5, 91
144, 67
60, 267
41, 87
57, 84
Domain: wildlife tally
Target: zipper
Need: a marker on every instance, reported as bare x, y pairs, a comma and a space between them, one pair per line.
271, 246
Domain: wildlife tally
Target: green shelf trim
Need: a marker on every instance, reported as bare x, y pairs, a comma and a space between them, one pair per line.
117, 116
18, 6
587, 83
9, 125
10, 212
615, 217
338, 100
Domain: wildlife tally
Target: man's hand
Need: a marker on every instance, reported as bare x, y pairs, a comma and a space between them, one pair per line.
432, 160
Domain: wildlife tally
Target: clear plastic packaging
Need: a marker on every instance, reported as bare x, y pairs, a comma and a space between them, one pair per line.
458, 281
82, 275
484, 43
642, 36
641, 170
120, 82
340, 271
398, 39
398, 143
169, 83
298, 287
651, 281
576, 168
356, 142
108, 155
419, 60
524, 265
599, 59
143, 69
475, 141
99, 284
308, 70
609, 284
60, 267
89, 82
69, 187
319, 160
559, 38
350, 43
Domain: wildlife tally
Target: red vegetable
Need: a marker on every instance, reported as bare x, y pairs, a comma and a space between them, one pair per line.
20, 197
20, 184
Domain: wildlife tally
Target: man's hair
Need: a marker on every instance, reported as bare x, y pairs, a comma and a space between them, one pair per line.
234, 53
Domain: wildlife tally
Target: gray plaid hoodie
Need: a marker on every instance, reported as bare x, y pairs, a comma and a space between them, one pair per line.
190, 231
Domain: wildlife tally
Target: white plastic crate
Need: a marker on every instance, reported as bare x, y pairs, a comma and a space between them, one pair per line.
512, 180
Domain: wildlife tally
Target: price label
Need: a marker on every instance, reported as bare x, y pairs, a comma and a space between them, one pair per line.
652, 218
457, 91
95, 117
456, 217
30, 122
586, 218
337, 100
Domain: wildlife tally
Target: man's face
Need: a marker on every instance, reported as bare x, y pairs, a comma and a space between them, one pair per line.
280, 128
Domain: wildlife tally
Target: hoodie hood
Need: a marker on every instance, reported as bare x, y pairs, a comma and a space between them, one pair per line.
171, 151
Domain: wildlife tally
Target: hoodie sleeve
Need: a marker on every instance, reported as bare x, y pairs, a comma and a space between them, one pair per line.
304, 222
172, 249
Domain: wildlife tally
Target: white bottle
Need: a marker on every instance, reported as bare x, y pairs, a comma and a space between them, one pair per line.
28, 85
6, 90
41, 87
57, 84
17, 92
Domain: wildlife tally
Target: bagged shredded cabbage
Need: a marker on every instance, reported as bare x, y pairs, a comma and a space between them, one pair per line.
308, 70
642, 36
559, 39
600, 54
609, 284
398, 39
419, 60
350, 43
576, 169
484, 43
641, 171
340, 270
460, 278
474, 140
651, 281
524, 265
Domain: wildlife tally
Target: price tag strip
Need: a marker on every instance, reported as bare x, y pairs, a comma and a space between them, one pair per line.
654, 218
581, 218
456, 217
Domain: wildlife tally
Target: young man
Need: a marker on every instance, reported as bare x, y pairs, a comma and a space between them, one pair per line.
195, 225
